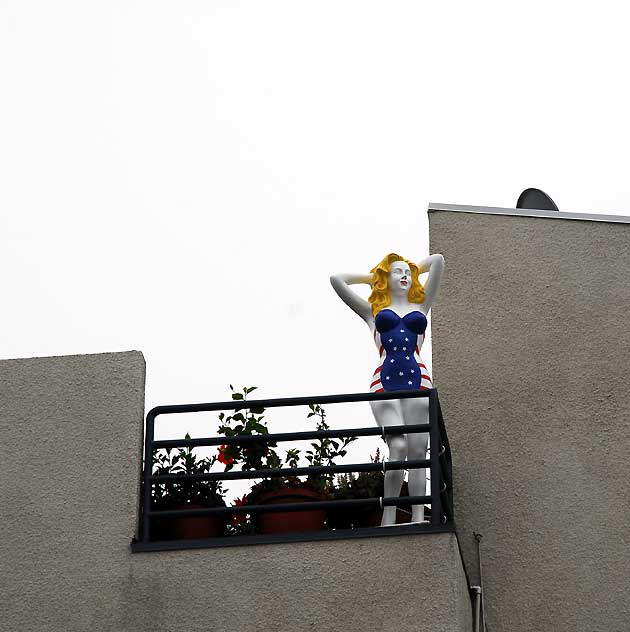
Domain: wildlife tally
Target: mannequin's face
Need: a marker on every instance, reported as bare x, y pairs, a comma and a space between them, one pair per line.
399, 278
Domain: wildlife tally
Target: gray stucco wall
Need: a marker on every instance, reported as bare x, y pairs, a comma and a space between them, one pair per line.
69, 475
531, 355
404, 583
71, 439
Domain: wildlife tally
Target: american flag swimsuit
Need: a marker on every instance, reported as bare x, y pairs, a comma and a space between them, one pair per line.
398, 341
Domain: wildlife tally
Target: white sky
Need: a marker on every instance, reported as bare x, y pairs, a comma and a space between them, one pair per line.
183, 177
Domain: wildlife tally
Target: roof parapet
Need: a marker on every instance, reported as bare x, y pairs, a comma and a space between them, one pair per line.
493, 210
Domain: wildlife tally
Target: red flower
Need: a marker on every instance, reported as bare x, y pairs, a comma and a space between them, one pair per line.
239, 518
223, 458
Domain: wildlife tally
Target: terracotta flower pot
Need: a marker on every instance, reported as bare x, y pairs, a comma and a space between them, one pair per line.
189, 527
290, 521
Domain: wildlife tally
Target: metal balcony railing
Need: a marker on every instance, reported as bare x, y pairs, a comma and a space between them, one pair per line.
439, 464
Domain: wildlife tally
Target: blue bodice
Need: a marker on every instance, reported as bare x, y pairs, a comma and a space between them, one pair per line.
399, 339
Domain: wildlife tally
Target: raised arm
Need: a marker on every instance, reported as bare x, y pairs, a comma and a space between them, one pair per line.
434, 265
341, 284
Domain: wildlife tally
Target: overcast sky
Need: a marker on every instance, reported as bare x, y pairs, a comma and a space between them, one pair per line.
183, 177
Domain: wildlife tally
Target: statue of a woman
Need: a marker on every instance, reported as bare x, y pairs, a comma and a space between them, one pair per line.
396, 313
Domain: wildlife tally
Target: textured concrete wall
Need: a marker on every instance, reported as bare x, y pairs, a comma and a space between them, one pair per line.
71, 439
531, 355
402, 584
70, 431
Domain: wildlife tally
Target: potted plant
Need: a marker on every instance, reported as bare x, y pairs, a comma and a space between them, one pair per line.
280, 490
316, 487
362, 485
240, 523
186, 495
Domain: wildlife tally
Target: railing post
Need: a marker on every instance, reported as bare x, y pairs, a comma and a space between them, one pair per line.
449, 464
148, 469
436, 474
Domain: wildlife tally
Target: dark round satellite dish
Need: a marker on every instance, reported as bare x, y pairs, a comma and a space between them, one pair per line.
536, 199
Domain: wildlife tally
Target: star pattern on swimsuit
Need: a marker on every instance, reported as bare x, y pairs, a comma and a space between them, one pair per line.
401, 347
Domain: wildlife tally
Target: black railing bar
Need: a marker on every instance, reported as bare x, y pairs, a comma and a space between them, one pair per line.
446, 506
293, 471
442, 427
287, 401
436, 473
307, 506
444, 467
445, 458
291, 436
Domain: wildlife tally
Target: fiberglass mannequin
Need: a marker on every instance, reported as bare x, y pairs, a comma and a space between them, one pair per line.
396, 313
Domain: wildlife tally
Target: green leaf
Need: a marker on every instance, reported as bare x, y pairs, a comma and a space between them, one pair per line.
237, 395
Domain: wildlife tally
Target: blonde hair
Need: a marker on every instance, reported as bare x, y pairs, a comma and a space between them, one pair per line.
380, 298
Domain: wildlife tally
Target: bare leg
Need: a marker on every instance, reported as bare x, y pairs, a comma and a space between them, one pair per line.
387, 413
416, 411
